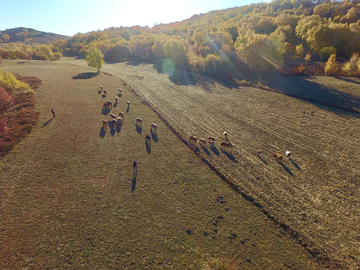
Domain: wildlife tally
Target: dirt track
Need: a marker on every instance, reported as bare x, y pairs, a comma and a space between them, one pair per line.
316, 192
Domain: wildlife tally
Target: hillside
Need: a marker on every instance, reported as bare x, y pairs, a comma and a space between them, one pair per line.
28, 36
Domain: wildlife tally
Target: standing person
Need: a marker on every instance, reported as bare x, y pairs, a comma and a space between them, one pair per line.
53, 112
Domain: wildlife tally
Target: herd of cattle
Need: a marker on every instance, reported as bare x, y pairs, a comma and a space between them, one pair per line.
119, 120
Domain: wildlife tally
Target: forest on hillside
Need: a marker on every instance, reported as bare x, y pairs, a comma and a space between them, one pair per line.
257, 37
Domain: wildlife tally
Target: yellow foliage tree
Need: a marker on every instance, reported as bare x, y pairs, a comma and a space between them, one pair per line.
331, 65
94, 58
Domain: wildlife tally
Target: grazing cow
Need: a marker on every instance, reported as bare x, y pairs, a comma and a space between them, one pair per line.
225, 134
120, 90
211, 139
153, 126
212, 143
202, 141
101, 88
119, 121
278, 156
107, 105
193, 139
147, 138
138, 120
113, 122
105, 123
258, 152
116, 99
287, 153
225, 145
121, 114
113, 116
128, 103
105, 92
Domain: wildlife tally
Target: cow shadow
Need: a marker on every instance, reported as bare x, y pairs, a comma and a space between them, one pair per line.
286, 168
148, 146
128, 109
47, 122
138, 128
119, 95
99, 92
206, 150
103, 96
262, 160
229, 155
154, 136
112, 131
115, 104
118, 128
295, 164
105, 111
102, 132
215, 150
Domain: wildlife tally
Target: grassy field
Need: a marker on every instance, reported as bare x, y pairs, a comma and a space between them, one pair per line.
69, 197
316, 192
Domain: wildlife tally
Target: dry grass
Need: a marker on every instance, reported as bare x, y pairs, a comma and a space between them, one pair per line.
68, 198
315, 194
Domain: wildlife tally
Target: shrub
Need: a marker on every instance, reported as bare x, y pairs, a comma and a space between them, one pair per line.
6, 100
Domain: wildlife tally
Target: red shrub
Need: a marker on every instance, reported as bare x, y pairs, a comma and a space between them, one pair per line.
6, 100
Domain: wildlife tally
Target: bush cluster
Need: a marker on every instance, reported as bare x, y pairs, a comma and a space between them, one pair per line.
17, 114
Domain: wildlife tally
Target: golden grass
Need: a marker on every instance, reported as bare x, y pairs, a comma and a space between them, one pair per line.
68, 198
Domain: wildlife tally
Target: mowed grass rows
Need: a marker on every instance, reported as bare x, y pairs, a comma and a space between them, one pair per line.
316, 192
68, 197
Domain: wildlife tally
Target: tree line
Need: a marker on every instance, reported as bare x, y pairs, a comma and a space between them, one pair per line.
256, 37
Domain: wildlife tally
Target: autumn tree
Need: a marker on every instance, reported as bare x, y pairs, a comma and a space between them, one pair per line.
351, 67
331, 65
176, 51
94, 58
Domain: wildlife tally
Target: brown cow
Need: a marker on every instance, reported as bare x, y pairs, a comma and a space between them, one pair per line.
278, 156
121, 114
211, 138
193, 139
225, 145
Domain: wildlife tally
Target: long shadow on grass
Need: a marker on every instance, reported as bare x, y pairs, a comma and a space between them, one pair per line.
325, 98
47, 122
148, 146
102, 132
138, 129
105, 111
286, 168
229, 155
262, 160
295, 164
206, 150
215, 150
133, 184
348, 79
85, 76
115, 104
118, 128
154, 136
127, 109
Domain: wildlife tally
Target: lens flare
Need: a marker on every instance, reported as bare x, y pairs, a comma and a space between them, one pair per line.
168, 67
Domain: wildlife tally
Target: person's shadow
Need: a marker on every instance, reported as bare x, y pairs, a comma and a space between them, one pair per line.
134, 179
45, 124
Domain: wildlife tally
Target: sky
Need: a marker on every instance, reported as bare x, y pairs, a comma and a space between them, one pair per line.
69, 17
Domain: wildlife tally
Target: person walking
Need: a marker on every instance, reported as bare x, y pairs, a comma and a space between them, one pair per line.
53, 112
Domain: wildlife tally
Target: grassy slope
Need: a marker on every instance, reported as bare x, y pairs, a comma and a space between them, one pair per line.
66, 197
316, 192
